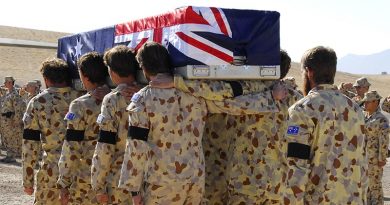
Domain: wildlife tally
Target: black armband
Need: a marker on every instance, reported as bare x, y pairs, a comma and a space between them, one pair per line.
8, 114
34, 135
300, 151
138, 133
107, 137
74, 135
236, 87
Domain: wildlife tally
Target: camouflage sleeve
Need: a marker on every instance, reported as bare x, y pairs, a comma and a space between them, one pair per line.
71, 149
383, 134
244, 104
299, 140
136, 155
105, 147
386, 105
31, 144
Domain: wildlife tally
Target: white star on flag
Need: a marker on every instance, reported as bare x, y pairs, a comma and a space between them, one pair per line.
78, 48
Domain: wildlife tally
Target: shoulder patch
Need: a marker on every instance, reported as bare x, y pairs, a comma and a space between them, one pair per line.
100, 118
292, 130
70, 116
135, 97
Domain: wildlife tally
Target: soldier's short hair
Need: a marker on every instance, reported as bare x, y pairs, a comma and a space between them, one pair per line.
92, 66
154, 58
56, 70
322, 61
121, 60
285, 63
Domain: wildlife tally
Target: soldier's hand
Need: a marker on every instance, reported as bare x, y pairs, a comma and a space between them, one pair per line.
137, 200
102, 198
129, 91
28, 190
64, 196
100, 92
279, 92
347, 85
381, 163
162, 80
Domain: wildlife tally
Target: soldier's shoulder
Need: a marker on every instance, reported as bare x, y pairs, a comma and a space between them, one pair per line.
142, 94
84, 99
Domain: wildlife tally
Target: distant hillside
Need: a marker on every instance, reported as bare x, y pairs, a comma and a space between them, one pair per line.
366, 64
379, 83
23, 63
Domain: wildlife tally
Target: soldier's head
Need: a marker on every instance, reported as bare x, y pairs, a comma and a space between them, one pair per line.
285, 63
55, 72
39, 84
371, 101
121, 63
362, 86
93, 72
31, 87
318, 66
154, 58
9, 82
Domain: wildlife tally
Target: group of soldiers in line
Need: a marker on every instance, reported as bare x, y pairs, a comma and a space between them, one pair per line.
179, 141
13, 101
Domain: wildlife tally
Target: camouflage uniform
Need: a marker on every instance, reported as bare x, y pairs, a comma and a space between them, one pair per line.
78, 149
3, 91
326, 156
45, 128
221, 145
12, 113
377, 132
163, 153
348, 92
108, 157
386, 105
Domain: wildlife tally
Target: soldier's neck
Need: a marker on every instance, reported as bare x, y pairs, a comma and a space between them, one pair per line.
126, 80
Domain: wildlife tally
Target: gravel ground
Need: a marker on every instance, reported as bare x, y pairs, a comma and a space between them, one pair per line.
12, 194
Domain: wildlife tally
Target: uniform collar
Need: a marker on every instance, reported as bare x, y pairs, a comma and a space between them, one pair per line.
59, 90
324, 87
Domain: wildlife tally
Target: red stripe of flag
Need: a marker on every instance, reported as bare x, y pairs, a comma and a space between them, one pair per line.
157, 35
220, 21
142, 42
221, 55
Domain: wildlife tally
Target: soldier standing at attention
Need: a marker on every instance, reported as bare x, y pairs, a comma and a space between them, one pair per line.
45, 129
386, 105
81, 134
12, 111
326, 156
113, 122
377, 133
361, 86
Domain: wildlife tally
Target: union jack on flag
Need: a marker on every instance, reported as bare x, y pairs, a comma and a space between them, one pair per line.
192, 35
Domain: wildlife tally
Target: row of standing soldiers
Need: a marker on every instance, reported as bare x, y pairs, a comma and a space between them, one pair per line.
192, 142
13, 101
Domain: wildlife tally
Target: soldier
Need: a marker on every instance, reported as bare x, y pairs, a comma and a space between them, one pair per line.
347, 89
386, 105
377, 133
3, 91
29, 91
81, 134
12, 112
175, 174
113, 123
362, 86
326, 157
44, 129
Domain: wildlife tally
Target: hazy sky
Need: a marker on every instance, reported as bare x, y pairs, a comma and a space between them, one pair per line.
348, 26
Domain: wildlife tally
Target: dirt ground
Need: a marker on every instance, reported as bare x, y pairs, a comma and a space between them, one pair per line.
11, 191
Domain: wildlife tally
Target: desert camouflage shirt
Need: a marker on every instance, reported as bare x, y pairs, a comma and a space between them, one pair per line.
80, 141
108, 157
386, 106
166, 129
45, 127
377, 133
327, 160
13, 106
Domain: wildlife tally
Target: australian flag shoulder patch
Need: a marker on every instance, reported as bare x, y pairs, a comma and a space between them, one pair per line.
292, 130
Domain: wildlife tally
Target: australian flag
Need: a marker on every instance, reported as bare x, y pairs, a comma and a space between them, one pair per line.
192, 35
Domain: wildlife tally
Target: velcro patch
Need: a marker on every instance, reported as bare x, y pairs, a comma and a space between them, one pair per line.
135, 97
292, 130
100, 118
70, 116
